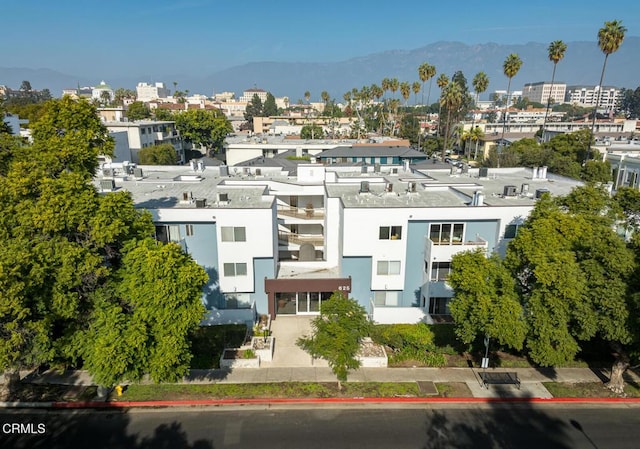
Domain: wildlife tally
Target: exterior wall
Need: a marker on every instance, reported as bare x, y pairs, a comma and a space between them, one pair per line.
359, 270
263, 268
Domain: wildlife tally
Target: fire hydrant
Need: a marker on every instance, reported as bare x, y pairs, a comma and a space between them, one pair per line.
118, 390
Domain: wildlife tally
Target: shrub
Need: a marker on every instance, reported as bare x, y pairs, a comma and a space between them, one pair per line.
404, 337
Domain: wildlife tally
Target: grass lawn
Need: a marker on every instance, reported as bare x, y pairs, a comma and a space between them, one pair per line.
268, 390
588, 390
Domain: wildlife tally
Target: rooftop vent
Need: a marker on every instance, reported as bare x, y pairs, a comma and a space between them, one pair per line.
524, 189
364, 187
201, 202
376, 168
510, 191
223, 197
388, 187
186, 196
412, 187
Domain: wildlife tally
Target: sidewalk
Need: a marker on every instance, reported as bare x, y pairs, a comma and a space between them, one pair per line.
531, 379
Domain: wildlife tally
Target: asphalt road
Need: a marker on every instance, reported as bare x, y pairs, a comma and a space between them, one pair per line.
424, 427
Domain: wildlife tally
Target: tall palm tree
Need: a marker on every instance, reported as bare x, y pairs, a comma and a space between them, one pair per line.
415, 87
556, 53
451, 99
405, 91
442, 82
510, 67
610, 37
426, 72
480, 84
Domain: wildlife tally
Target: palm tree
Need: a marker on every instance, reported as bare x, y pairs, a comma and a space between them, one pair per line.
556, 53
451, 99
475, 134
480, 84
325, 98
610, 37
405, 91
442, 82
415, 87
510, 67
426, 72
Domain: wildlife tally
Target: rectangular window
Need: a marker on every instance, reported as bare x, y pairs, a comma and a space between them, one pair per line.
440, 271
388, 267
447, 233
142, 131
385, 298
235, 269
168, 233
439, 306
390, 232
189, 230
233, 234
511, 231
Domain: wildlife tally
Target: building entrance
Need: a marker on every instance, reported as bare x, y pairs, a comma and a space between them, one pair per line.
302, 296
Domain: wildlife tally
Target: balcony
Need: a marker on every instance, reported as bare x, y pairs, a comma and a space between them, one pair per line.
443, 251
304, 213
287, 238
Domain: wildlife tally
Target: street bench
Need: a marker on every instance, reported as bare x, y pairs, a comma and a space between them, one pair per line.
500, 379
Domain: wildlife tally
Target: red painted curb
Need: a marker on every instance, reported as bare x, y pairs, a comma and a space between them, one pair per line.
221, 402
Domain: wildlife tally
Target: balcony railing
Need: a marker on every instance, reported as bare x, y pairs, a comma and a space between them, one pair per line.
306, 213
299, 239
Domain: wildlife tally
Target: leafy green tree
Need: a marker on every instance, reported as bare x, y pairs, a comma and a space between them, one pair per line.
485, 302
630, 103
610, 37
121, 94
141, 324
203, 127
312, 131
269, 109
69, 136
138, 111
337, 334
596, 171
572, 273
163, 114
68, 249
163, 154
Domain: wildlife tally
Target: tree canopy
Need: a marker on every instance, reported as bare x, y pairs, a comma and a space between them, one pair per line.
138, 111
337, 334
203, 127
72, 255
163, 154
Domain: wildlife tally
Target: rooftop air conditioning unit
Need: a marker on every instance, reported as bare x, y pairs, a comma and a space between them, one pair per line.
364, 187
137, 172
540, 192
223, 197
224, 170
394, 171
510, 191
524, 189
483, 172
201, 202
107, 172
258, 172
376, 168
107, 185
388, 187
186, 196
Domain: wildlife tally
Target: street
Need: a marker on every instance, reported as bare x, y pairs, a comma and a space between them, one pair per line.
424, 426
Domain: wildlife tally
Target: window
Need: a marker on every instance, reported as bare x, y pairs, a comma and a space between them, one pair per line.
440, 271
447, 233
233, 234
168, 233
439, 306
235, 269
390, 232
388, 267
189, 230
143, 131
237, 300
385, 298
511, 231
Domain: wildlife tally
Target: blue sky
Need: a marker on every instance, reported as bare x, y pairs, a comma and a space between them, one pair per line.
153, 37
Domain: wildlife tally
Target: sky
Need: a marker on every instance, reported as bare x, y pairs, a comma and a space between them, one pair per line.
151, 38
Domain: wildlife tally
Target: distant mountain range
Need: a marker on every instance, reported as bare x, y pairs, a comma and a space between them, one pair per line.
582, 65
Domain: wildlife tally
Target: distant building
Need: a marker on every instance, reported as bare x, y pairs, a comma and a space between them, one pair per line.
248, 94
101, 91
78, 92
588, 95
146, 133
540, 92
147, 92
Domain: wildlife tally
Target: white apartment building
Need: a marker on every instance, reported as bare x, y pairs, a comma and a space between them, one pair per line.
248, 94
587, 96
541, 91
280, 243
146, 133
147, 92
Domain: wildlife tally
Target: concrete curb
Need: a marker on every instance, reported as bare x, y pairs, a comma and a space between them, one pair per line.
306, 401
